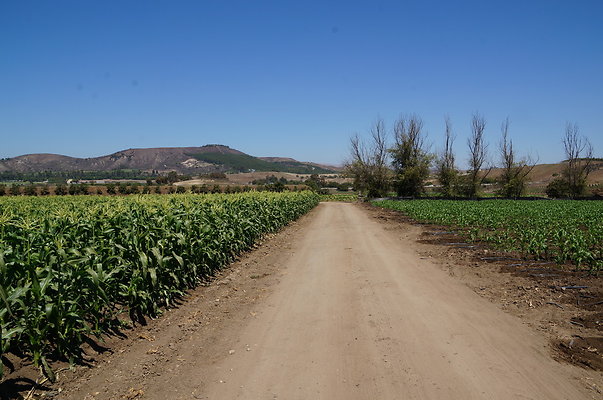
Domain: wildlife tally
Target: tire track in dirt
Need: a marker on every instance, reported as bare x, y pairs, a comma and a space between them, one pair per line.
359, 316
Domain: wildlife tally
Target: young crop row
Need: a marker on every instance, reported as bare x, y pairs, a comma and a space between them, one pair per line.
561, 231
69, 267
345, 197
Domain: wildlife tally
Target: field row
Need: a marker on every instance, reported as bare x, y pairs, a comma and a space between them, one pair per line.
70, 267
561, 230
344, 197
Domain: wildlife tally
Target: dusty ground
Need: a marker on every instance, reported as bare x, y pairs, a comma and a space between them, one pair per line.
354, 303
561, 302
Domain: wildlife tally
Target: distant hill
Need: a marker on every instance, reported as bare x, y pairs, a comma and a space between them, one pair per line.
153, 161
542, 174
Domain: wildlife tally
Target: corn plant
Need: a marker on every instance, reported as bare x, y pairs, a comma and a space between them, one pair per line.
70, 268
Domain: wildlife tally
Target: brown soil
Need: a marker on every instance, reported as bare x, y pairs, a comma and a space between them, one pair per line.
354, 302
563, 302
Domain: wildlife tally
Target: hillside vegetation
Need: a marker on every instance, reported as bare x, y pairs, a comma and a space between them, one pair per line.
246, 163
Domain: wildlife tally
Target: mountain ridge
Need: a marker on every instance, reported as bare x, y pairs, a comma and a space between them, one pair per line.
158, 160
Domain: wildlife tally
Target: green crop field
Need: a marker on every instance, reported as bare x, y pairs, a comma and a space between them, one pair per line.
562, 231
345, 197
70, 267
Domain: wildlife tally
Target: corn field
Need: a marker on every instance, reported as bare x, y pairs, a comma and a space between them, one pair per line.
560, 230
71, 268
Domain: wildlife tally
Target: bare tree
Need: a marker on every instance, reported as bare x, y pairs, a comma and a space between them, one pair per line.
357, 166
368, 164
478, 151
379, 138
514, 177
446, 170
450, 137
410, 156
506, 148
578, 165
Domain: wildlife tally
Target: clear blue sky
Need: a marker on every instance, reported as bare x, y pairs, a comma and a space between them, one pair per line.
294, 78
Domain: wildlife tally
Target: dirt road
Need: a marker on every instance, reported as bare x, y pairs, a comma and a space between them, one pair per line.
349, 311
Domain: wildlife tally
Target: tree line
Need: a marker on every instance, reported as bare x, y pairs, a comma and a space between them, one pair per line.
378, 166
57, 177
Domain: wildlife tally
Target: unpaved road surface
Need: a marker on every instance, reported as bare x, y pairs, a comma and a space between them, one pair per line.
349, 310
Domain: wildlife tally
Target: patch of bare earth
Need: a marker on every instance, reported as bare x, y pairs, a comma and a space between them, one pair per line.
560, 301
